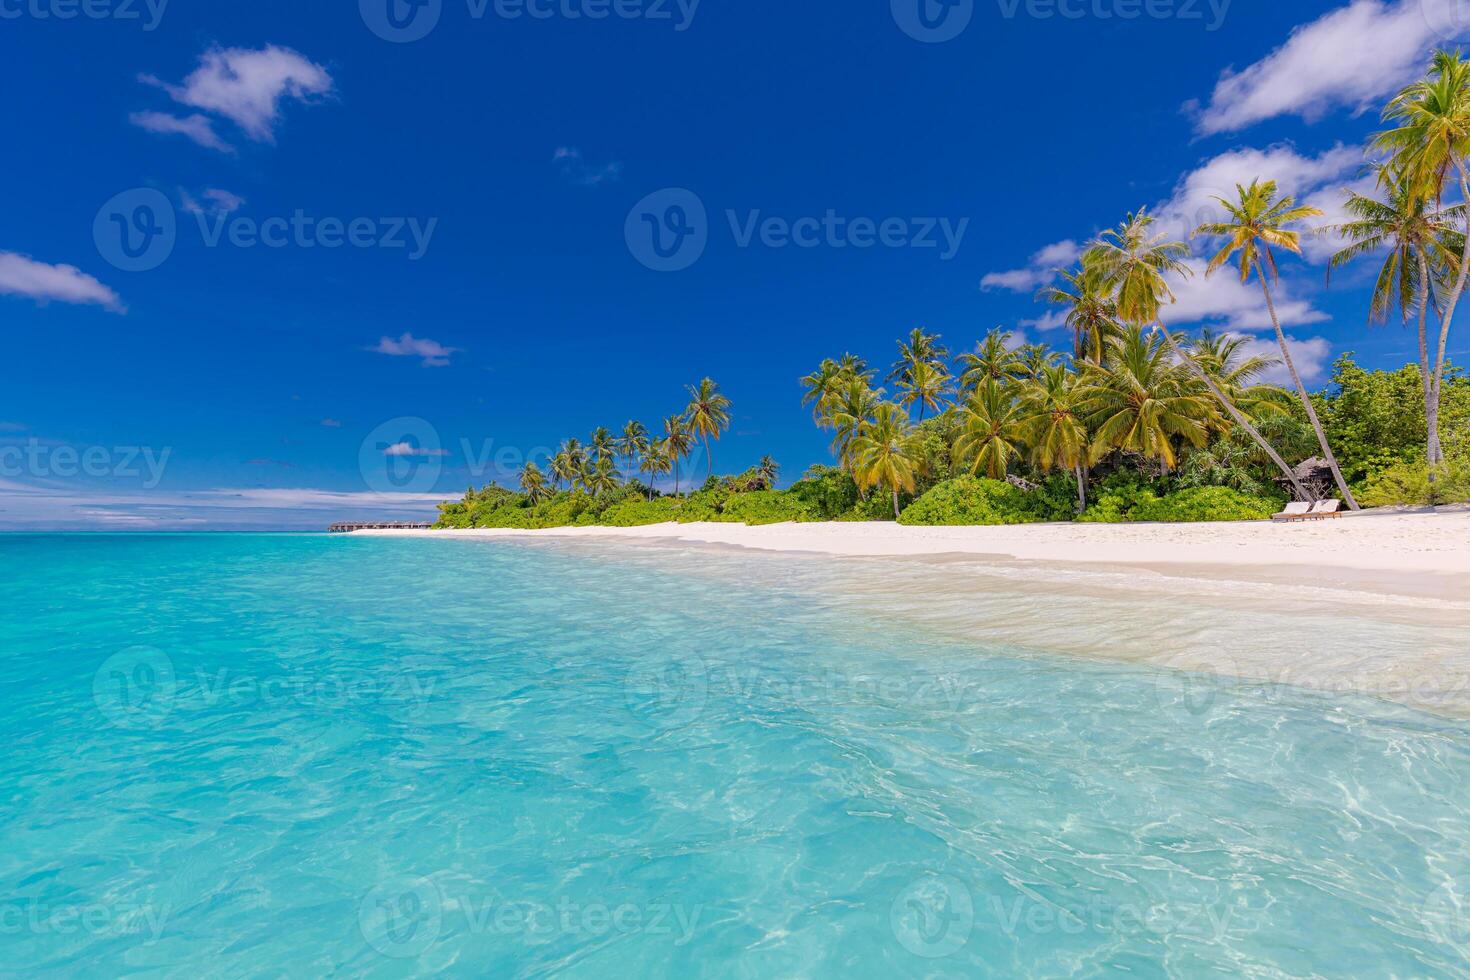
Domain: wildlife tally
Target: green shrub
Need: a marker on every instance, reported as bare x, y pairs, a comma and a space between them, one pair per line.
1201, 504
969, 500
640, 513
827, 492
1408, 483
766, 507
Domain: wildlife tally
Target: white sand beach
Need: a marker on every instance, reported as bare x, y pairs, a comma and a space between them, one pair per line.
1377, 602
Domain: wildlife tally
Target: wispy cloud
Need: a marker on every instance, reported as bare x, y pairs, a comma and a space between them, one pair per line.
1349, 58
1038, 272
331, 423
433, 353
242, 85
21, 275
215, 202
198, 128
575, 168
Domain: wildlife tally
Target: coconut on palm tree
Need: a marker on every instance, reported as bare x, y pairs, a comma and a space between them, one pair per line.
1257, 226
887, 454
707, 416
1134, 264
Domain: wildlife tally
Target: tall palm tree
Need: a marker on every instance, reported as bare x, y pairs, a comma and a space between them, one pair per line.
925, 384
602, 445
676, 441
1091, 313
633, 442
1429, 143
992, 426
1133, 262
921, 348
564, 467
852, 410
656, 460
992, 360
1145, 400
769, 471
1257, 225
533, 483
601, 477
887, 454
1054, 425
708, 415
1420, 244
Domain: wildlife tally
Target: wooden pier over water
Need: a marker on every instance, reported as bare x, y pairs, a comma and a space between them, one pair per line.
346, 528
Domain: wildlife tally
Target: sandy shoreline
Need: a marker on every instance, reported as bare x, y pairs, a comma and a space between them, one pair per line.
1377, 603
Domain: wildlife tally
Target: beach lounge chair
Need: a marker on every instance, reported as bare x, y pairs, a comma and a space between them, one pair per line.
1325, 509
1295, 511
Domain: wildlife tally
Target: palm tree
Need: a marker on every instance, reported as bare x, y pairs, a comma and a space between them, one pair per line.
920, 349
1258, 223
1133, 263
1034, 359
708, 415
1053, 424
1145, 400
601, 477
1420, 244
1091, 313
926, 384
991, 428
656, 461
676, 442
1431, 140
851, 410
602, 445
769, 471
887, 454
993, 360
533, 483
632, 442
564, 467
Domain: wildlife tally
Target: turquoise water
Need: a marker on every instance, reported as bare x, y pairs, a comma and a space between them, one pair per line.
270, 756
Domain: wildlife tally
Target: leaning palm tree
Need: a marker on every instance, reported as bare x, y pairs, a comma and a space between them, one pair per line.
676, 443
1238, 374
656, 461
1134, 263
925, 384
921, 348
1419, 244
888, 454
533, 483
1091, 313
1257, 226
708, 415
994, 359
1428, 145
992, 426
1145, 400
1054, 426
633, 442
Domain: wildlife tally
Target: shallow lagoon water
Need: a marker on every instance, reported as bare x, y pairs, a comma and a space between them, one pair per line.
299, 755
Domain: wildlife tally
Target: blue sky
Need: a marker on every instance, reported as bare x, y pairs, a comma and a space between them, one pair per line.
396, 266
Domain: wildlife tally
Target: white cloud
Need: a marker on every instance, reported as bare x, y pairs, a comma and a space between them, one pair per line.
1223, 300
21, 275
216, 202
1350, 58
434, 354
196, 127
408, 449
1038, 271
1312, 357
574, 167
247, 86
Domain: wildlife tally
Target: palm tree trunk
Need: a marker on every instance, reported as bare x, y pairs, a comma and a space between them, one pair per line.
1431, 403
1081, 473
1449, 311
895, 505
1239, 418
709, 459
1301, 390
